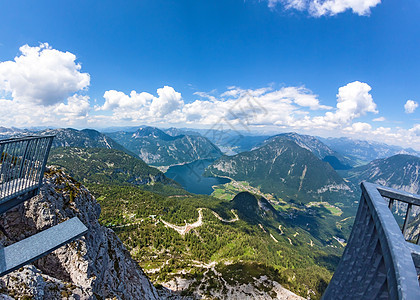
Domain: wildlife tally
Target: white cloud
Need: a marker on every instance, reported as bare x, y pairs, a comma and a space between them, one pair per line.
206, 95
380, 119
410, 106
42, 75
77, 108
142, 106
415, 130
319, 8
263, 106
353, 101
122, 103
42, 87
168, 101
304, 97
358, 127
333, 7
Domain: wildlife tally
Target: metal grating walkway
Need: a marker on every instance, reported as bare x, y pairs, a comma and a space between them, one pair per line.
30, 249
22, 166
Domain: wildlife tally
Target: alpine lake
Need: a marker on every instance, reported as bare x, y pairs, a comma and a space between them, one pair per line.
190, 176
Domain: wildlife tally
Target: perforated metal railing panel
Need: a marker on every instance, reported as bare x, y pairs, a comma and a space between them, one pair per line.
22, 165
377, 262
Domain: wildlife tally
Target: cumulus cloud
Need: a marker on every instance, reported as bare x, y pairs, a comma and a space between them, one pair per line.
410, 106
168, 101
319, 8
287, 106
142, 106
415, 130
235, 106
121, 103
77, 108
42, 75
358, 127
304, 97
42, 86
353, 101
380, 119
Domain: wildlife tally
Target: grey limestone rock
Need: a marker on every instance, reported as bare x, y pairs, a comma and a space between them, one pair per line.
96, 266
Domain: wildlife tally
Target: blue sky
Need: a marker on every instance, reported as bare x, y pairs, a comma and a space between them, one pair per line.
191, 62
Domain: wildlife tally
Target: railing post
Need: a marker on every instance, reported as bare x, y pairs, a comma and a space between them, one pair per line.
41, 175
390, 204
1, 163
23, 159
407, 215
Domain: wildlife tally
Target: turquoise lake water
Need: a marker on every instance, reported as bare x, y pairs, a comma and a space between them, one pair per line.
190, 176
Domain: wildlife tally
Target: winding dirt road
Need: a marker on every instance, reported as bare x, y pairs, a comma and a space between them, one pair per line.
224, 220
187, 227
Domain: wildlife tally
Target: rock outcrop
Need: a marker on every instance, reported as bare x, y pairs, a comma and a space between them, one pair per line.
96, 266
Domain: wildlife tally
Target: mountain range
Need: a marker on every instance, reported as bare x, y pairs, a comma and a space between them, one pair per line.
362, 152
86, 138
400, 171
158, 148
213, 245
318, 148
282, 167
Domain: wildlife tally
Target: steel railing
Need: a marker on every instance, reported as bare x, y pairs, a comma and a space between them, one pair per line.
22, 166
378, 262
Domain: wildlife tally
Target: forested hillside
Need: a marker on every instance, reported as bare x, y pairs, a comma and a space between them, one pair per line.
105, 166
283, 168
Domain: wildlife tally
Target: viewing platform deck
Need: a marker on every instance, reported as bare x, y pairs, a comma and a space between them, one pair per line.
382, 257
22, 166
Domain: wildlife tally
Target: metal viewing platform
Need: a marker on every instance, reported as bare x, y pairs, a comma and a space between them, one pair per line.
22, 166
382, 257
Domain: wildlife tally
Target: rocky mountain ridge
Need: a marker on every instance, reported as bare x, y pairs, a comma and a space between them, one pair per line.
85, 138
364, 152
400, 171
281, 166
96, 266
322, 151
157, 148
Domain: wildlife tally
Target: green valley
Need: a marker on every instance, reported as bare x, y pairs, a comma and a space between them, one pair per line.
216, 250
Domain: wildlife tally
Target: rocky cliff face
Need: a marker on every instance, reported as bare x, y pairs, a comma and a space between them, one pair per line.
96, 266
401, 172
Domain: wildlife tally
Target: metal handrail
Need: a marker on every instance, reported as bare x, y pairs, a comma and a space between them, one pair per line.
377, 261
22, 166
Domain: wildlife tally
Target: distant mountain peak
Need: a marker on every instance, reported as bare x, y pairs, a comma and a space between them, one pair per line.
153, 132
158, 148
86, 138
317, 147
281, 166
363, 152
401, 171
